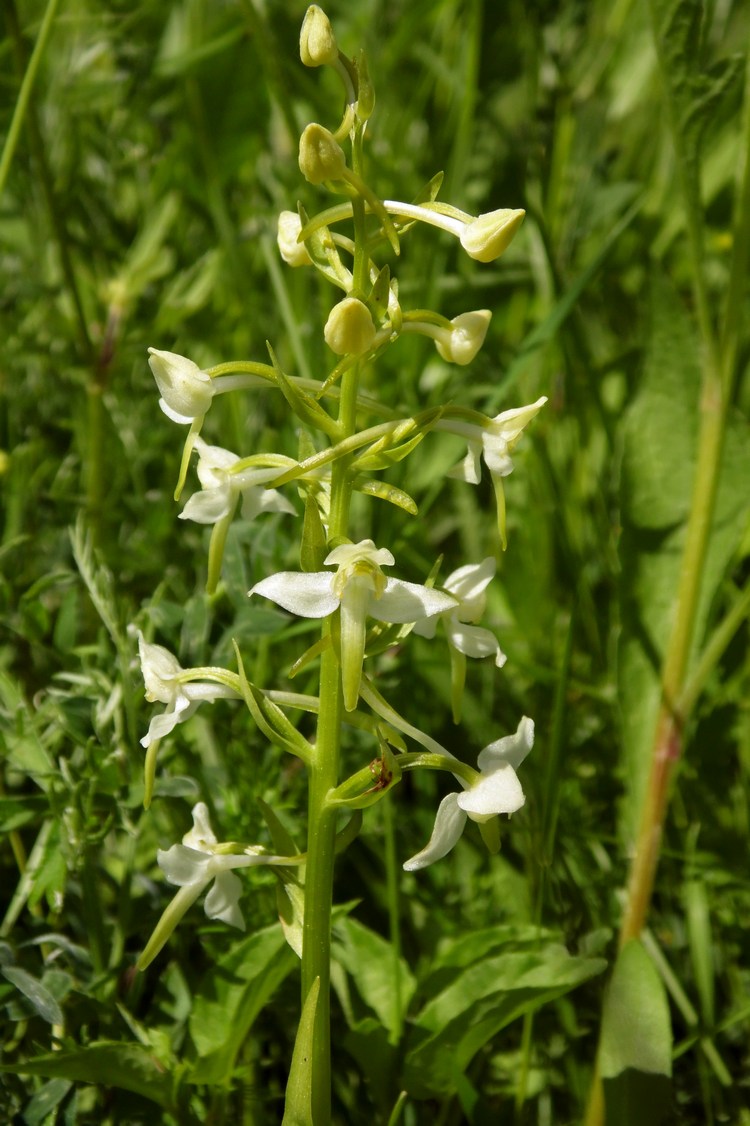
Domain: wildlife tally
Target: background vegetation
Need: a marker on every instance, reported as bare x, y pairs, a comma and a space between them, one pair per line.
138, 208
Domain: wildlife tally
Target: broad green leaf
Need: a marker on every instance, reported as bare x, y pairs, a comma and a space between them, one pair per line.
230, 997
106, 1063
659, 450
481, 1000
40, 998
368, 959
636, 1045
45, 1100
298, 1103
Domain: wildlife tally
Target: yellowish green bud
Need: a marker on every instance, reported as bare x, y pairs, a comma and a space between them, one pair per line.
466, 337
487, 236
320, 155
317, 43
294, 253
349, 330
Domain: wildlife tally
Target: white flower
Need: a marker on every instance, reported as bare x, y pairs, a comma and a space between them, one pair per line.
496, 790
467, 585
168, 683
487, 236
484, 237
222, 488
492, 441
199, 861
359, 589
293, 252
457, 341
186, 391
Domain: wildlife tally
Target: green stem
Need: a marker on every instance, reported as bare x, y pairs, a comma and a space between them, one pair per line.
324, 766
24, 94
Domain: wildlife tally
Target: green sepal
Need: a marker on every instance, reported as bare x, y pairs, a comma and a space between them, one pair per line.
270, 719
298, 1102
383, 491
304, 406
324, 254
314, 545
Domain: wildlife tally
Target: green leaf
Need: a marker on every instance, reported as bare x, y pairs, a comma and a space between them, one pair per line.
230, 997
45, 1100
298, 1103
636, 1045
658, 466
40, 998
105, 1063
368, 959
478, 1002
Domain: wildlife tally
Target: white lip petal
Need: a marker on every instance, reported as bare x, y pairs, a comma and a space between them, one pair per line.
449, 824
307, 595
498, 792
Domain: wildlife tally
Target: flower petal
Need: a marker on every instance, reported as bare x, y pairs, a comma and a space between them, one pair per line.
183, 866
159, 668
223, 898
511, 749
163, 724
470, 469
210, 505
449, 824
474, 641
497, 792
307, 595
469, 583
201, 836
409, 602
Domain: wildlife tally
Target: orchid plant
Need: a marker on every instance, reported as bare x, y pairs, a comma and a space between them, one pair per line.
343, 582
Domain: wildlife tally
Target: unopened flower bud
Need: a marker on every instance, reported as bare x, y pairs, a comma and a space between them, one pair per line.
186, 391
461, 345
349, 330
294, 253
486, 237
320, 155
317, 43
